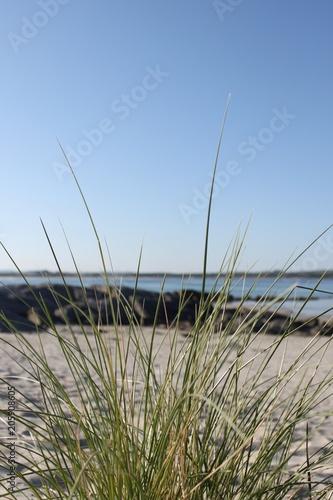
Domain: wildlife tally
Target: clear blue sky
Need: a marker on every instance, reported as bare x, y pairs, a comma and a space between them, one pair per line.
135, 92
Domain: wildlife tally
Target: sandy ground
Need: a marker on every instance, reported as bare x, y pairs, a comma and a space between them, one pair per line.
321, 430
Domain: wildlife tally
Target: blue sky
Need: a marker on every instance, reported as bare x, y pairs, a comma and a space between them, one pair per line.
135, 92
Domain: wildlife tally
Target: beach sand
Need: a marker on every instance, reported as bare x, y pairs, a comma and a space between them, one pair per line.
321, 430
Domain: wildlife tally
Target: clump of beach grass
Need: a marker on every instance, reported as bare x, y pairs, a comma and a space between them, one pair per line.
203, 425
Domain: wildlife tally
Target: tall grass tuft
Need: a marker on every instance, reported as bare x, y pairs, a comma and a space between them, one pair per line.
120, 419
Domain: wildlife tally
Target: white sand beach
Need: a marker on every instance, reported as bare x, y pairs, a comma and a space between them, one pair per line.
320, 428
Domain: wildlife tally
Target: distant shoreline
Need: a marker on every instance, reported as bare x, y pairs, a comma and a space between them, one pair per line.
28, 307
94, 274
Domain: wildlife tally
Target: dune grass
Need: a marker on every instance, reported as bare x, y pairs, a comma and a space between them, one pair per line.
200, 424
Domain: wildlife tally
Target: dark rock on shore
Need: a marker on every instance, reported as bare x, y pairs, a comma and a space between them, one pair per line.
28, 308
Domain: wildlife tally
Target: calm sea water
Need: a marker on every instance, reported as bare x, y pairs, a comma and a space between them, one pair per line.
319, 303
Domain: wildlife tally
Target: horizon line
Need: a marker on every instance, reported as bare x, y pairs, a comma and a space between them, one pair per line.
45, 272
